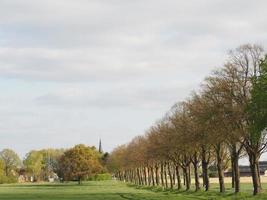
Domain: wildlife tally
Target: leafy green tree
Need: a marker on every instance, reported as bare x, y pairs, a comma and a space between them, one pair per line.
34, 163
10, 160
257, 108
257, 118
80, 162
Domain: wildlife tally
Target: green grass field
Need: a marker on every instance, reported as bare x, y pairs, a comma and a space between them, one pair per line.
111, 190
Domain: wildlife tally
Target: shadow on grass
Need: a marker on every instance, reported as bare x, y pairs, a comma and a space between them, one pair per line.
37, 195
201, 194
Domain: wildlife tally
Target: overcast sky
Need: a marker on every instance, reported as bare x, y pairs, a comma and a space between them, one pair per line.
72, 71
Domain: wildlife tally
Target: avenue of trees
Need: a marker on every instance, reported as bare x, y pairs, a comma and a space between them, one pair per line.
75, 164
225, 120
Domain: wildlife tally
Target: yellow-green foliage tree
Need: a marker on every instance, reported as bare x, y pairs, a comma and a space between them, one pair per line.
34, 164
80, 162
10, 160
42, 164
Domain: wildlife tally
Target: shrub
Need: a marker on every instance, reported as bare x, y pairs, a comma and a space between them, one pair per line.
101, 177
8, 179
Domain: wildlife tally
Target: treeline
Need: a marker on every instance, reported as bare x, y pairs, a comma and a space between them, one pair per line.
75, 164
224, 120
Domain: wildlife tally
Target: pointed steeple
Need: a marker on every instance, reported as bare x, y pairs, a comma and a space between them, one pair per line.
100, 147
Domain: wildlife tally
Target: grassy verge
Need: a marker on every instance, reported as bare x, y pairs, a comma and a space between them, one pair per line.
113, 190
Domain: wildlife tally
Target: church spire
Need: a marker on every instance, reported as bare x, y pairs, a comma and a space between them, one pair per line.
100, 147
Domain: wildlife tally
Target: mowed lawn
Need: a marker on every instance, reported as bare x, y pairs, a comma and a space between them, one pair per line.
111, 190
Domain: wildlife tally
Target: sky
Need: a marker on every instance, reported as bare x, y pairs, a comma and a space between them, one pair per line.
75, 71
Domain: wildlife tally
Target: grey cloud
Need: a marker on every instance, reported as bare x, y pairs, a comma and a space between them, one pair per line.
96, 40
141, 98
88, 65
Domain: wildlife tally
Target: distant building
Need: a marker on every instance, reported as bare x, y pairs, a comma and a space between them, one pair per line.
245, 170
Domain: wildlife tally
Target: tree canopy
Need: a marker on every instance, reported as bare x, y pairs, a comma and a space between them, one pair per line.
80, 162
10, 160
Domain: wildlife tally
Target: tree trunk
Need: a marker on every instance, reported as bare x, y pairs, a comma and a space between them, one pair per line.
205, 173
145, 175
258, 169
173, 176
139, 177
131, 176
142, 178
170, 175
235, 168
161, 175
152, 175
254, 162
79, 180
237, 174
189, 174
221, 177
184, 177
232, 172
219, 158
179, 186
157, 174
166, 177
195, 164
148, 175
187, 178
119, 174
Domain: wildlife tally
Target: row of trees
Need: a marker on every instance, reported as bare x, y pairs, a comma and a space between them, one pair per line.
77, 163
225, 120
